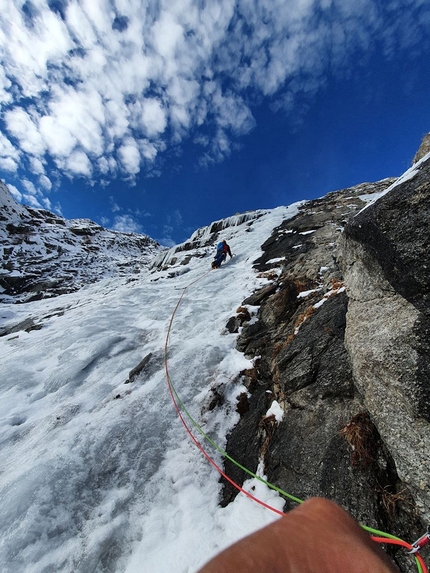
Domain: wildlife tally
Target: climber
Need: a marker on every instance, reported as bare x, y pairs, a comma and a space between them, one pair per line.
222, 251
315, 536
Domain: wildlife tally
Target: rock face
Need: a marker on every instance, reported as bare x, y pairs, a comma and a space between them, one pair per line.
342, 345
423, 149
44, 255
386, 251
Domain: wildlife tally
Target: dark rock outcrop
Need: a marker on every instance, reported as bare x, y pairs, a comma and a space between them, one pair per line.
341, 343
423, 149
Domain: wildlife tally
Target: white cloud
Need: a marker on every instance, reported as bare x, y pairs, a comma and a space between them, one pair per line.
32, 194
106, 87
219, 149
21, 126
29, 187
167, 34
126, 224
79, 25
78, 164
15, 193
5, 85
233, 114
149, 151
103, 165
107, 165
36, 166
54, 39
31, 200
117, 119
76, 117
9, 155
8, 164
45, 182
129, 157
100, 15
57, 137
47, 203
153, 117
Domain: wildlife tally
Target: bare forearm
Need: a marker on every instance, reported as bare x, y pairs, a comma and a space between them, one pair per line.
316, 537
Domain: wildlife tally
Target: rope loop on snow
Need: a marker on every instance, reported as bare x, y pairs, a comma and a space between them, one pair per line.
376, 535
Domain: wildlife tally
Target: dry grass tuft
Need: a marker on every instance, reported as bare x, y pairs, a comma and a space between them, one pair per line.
249, 378
361, 435
336, 284
389, 500
303, 285
267, 426
243, 313
303, 316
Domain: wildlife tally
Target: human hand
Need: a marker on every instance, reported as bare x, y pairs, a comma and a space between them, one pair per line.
315, 537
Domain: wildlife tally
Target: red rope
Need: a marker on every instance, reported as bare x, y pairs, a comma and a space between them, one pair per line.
225, 476
197, 443
210, 460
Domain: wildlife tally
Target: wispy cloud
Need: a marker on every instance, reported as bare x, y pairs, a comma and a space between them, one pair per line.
174, 221
101, 88
33, 195
114, 205
17, 194
9, 155
126, 224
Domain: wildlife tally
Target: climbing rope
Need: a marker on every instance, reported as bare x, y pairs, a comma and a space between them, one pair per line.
376, 535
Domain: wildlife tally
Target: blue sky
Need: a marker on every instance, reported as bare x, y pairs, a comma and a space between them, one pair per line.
163, 115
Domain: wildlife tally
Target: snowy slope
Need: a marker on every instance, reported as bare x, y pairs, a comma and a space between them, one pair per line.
99, 475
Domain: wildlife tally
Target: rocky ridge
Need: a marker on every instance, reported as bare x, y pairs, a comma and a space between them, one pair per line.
45, 255
341, 345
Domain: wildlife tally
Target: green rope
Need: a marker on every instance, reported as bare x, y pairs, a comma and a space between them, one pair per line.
197, 426
227, 456
235, 462
380, 533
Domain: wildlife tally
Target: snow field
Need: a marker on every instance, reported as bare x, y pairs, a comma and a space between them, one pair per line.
98, 475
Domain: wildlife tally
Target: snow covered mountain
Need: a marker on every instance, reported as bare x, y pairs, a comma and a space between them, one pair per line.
44, 255
98, 473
